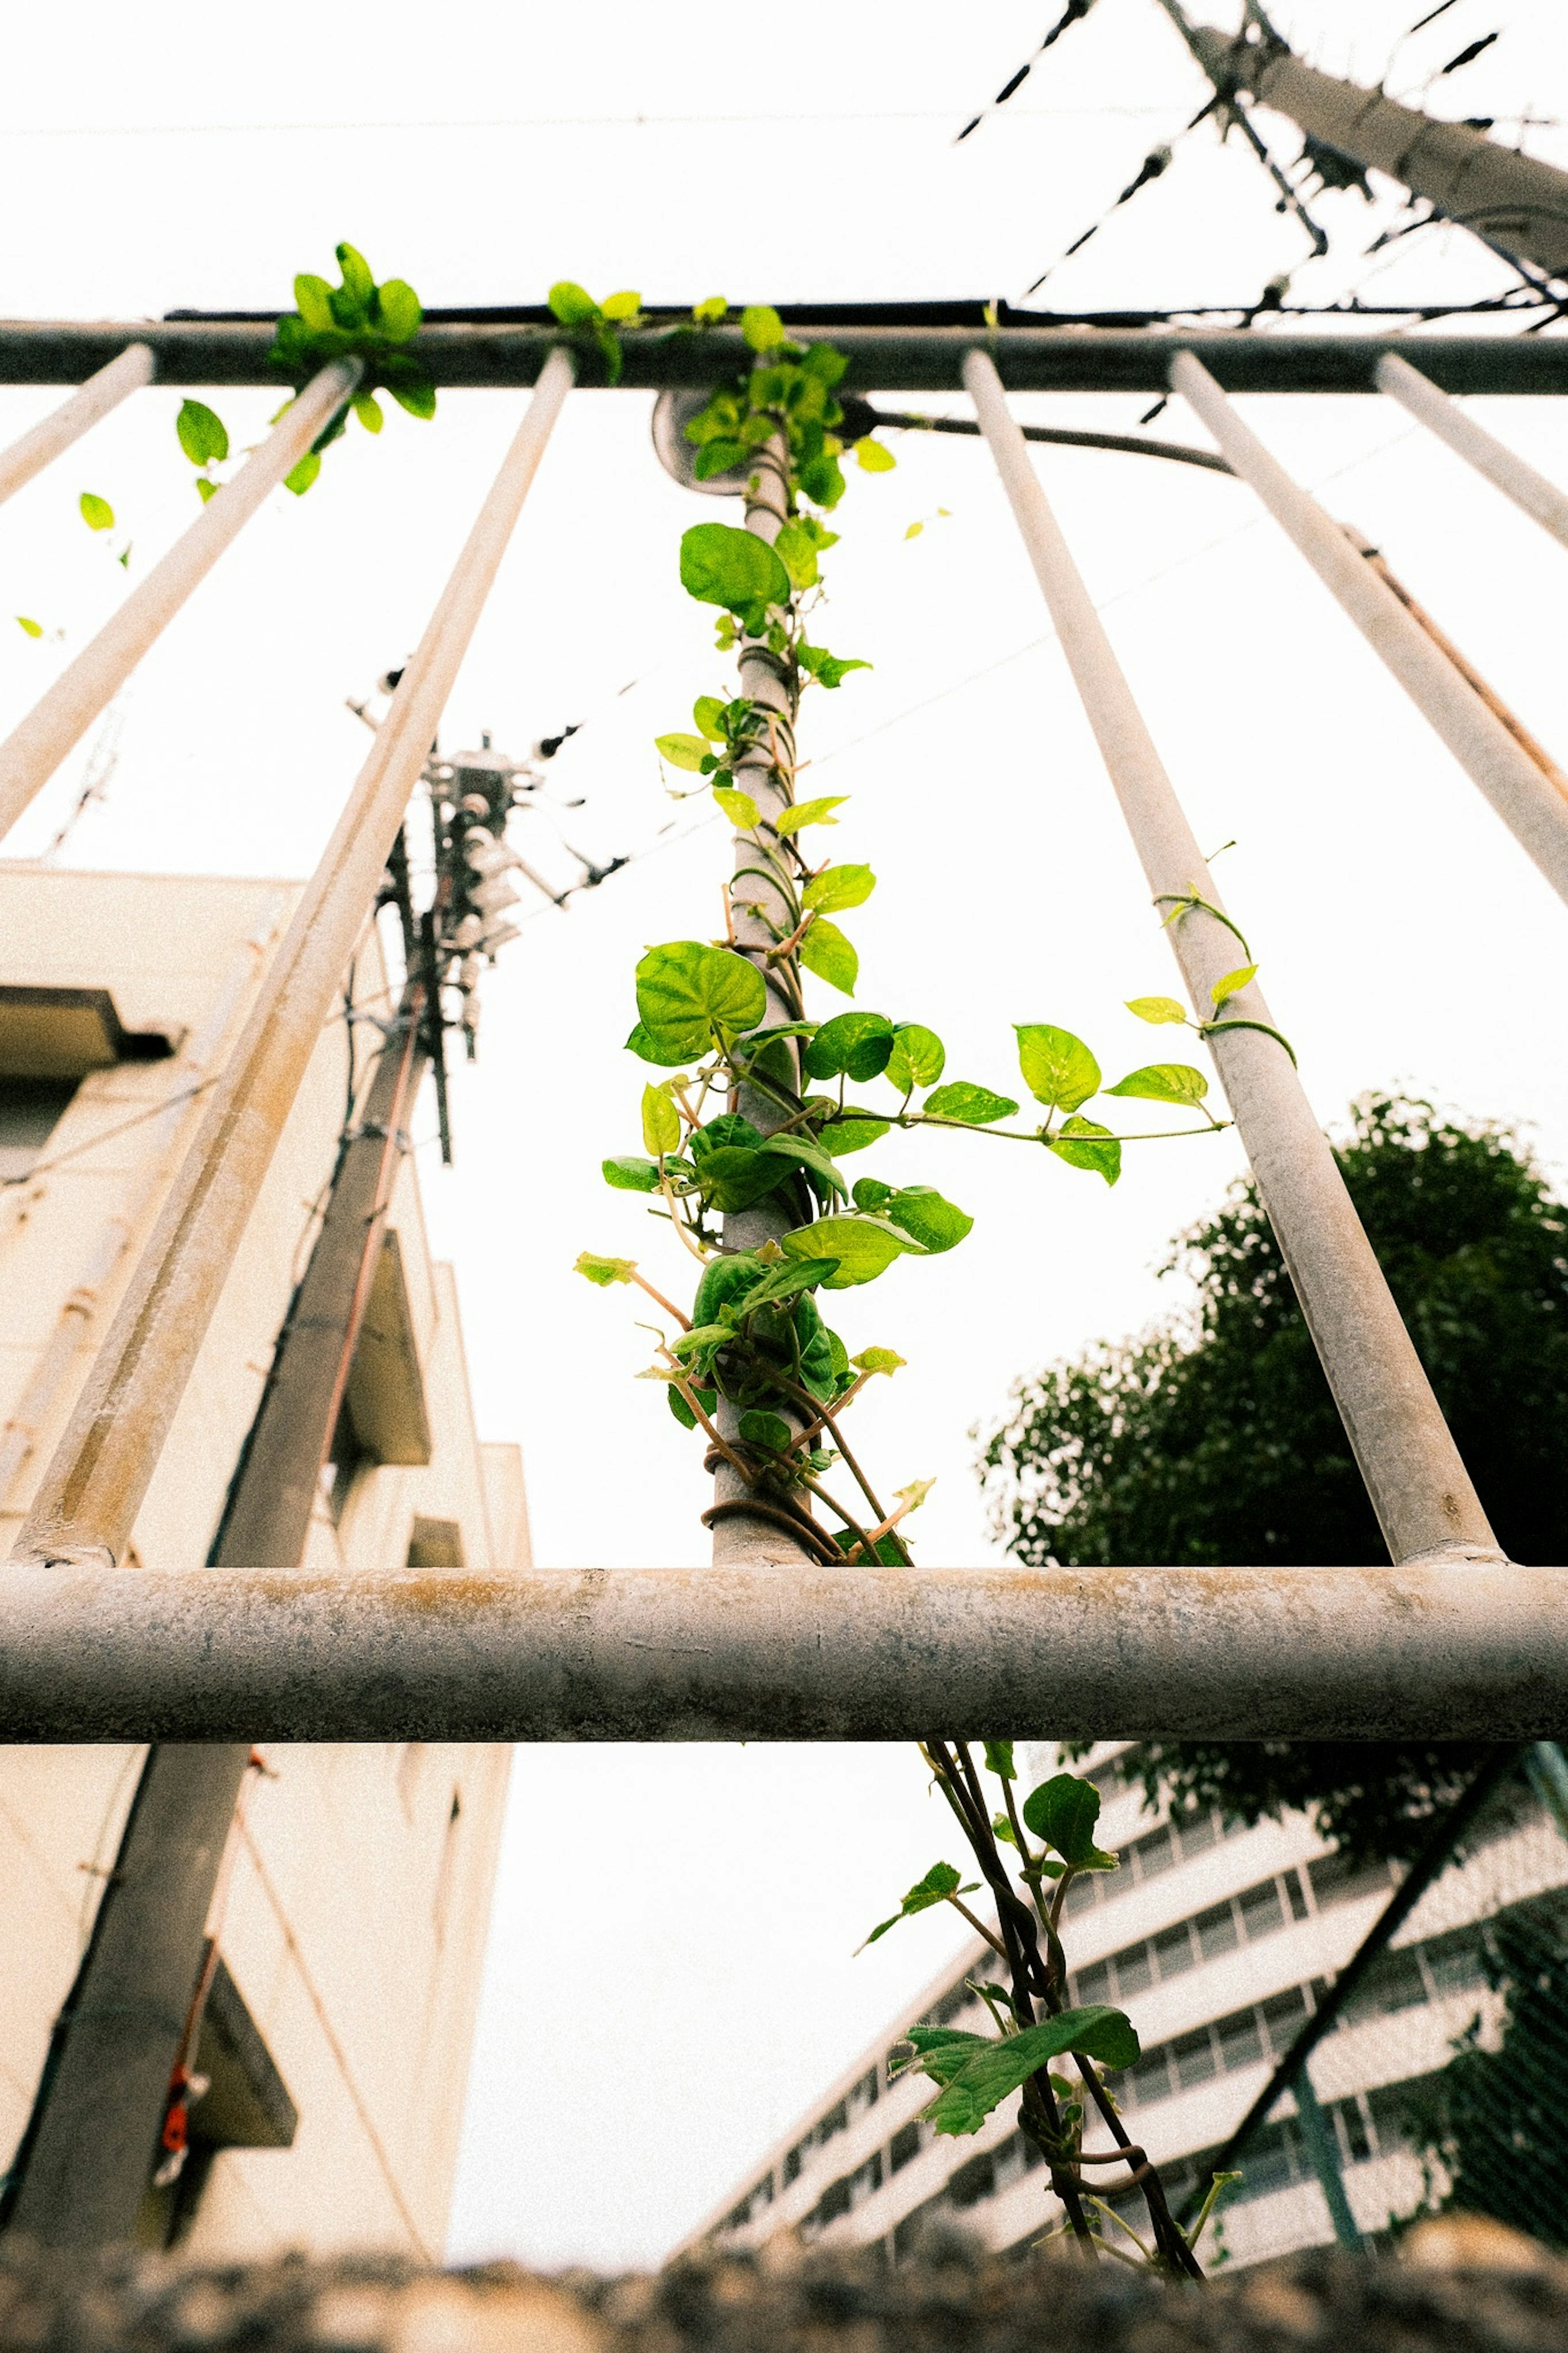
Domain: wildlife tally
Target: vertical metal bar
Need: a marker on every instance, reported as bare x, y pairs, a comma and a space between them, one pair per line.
34, 750
1323, 2150
759, 914
1532, 811
72, 419
1512, 475
1419, 1487
90, 1492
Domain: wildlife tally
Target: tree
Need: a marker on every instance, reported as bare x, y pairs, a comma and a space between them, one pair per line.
1212, 1439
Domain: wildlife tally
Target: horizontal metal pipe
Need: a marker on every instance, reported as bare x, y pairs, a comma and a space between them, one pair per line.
1513, 475
796, 1652
68, 423
883, 358
1419, 1488
87, 686
1532, 811
94, 1482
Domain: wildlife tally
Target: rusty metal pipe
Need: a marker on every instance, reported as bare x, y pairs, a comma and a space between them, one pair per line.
55, 433
87, 686
88, 1496
795, 1652
1419, 1488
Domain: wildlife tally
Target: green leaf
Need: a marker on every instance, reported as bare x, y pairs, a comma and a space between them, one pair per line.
740, 808
413, 391
769, 1429
858, 1044
734, 1178
604, 1271
721, 565
1157, 1008
804, 813
717, 458
706, 1398
667, 1052
682, 751
687, 990
863, 1246
356, 273
707, 711
802, 1150
622, 306
1232, 982
202, 433
96, 512
301, 477
313, 301
918, 1058
400, 311
828, 669
921, 1212
1063, 1811
1172, 1083
32, 629
975, 1106
762, 327
879, 1360
939, 2052
874, 457
857, 1133
789, 1281
368, 409
999, 1758
660, 1121
795, 548
1084, 1144
711, 312
940, 1882
206, 488
572, 305
830, 955
1058, 1069
629, 1175
838, 888
999, 2069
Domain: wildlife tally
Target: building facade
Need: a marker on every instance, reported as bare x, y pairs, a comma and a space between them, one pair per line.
1219, 1943
350, 1920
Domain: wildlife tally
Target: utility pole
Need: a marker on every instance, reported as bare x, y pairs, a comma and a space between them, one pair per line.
1514, 204
116, 2055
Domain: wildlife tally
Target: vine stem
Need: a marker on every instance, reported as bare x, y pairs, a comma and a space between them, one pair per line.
668, 1306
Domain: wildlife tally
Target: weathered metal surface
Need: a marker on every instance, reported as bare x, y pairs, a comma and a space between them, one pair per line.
87, 686
1419, 1487
93, 1485
1511, 474
1533, 812
44, 441
883, 358
796, 1653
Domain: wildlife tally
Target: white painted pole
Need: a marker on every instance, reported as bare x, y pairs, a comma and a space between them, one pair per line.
1534, 813
87, 686
1512, 475
1419, 1487
87, 1502
72, 419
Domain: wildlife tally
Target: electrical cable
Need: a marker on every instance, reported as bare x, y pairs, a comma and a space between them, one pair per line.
1073, 14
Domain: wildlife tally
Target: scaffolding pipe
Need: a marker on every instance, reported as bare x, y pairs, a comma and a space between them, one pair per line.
68, 423
87, 686
88, 1496
1434, 1650
1419, 1487
1533, 812
1513, 476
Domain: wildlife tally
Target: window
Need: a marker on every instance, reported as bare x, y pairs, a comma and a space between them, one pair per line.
973, 2181
30, 1111
833, 2201
1094, 1983
1195, 2060
1173, 1950
1282, 2017
904, 2147
792, 2165
436, 1544
1134, 1970
1217, 1931
1261, 1910
1240, 2041
1153, 1855
1336, 1880
346, 1458
837, 2120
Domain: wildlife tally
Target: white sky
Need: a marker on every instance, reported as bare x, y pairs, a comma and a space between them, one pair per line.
670, 1976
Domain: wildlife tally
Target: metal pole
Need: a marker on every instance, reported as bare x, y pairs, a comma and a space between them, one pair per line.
87, 686
1534, 813
795, 1650
1513, 476
92, 1491
1514, 203
759, 915
72, 419
1323, 2149
1419, 1488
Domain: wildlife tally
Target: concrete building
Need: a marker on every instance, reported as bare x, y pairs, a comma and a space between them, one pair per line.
1218, 1944
350, 1932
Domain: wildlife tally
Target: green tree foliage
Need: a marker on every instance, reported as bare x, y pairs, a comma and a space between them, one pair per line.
1213, 1438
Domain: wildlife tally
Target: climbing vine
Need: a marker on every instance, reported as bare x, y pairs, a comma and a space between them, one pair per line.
759, 1102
